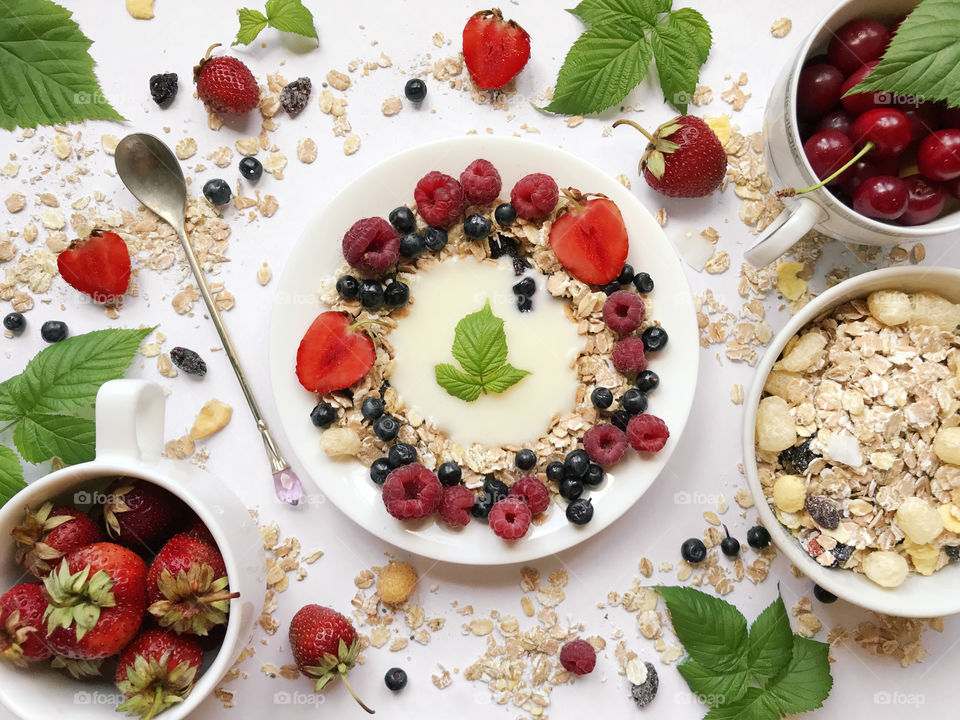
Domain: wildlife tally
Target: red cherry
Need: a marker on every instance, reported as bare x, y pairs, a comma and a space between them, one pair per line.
886, 128
925, 202
818, 90
938, 156
856, 43
861, 102
839, 120
883, 197
952, 187
923, 119
827, 152
867, 167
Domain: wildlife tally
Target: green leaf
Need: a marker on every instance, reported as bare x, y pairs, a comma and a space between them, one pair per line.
714, 688
47, 72
40, 437
67, 375
9, 410
692, 24
251, 23
504, 378
754, 705
806, 682
291, 16
678, 64
770, 645
598, 12
11, 475
923, 60
479, 343
457, 383
712, 631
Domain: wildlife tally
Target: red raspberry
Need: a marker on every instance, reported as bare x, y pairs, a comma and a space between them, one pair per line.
578, 657
439, 199
533, 492
647, 433
455, 504
628, 356
605, 444
535, 196
481, 182
371, 244
623, 312
411, 491
510, 518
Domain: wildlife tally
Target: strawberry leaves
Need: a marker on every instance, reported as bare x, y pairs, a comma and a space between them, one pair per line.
284, 15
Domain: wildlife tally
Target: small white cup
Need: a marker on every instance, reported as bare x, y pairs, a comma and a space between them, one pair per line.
788, 165
129, 442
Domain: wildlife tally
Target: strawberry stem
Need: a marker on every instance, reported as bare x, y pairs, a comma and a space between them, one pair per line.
157, 706
357, 324
634, 125
343, 674
790, 192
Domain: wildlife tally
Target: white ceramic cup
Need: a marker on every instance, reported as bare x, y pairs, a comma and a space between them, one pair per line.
918, 596
129, 416
789, 168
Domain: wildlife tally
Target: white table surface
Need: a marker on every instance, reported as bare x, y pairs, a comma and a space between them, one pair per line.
128, 52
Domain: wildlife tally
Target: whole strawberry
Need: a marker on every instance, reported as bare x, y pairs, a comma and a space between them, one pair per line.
22, 638
495, 50
46, 535
139, 514
225, 84
97, 600
98, 266
325, 646
157, 671
683, 159
187, 586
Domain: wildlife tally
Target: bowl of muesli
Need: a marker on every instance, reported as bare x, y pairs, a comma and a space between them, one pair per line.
852, 440
483, 350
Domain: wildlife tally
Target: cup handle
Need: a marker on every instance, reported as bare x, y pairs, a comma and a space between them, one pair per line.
129, 417
785, 231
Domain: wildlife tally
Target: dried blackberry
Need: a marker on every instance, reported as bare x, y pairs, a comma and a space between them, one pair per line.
188, 361
496, 249
520, 266
796, 460
294, 96
841, 553
646, 691
163, 88
823, 511
953, 552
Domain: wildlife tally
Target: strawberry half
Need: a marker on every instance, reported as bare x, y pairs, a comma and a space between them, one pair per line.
590, 240
333, 355
98, 266
494, 49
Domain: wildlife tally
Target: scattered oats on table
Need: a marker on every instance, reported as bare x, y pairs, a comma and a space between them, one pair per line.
780, 27
719, 263
306, 150
247, 146
15, 202
185, 148
351, 144
702, 95
391, 106
264, 273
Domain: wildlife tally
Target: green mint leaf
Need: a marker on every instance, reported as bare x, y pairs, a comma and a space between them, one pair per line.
714, 688
770, 645
711, 630
598, 12
9, 410
806, 681
291, 16
754, 705
696, 28
457, 383
11, 475
678, 64
504, 378
48, 74
66, 376
251, 23
923, 59
40, 437
479, 343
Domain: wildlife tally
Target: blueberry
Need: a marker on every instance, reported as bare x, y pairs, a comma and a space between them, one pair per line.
594, 475
758, 537
371, 294
620, 418
824, 596
476, 226
251, 168
401, 454
611, 288
570, 488
379, 469
217, 191
555, 471
449, 474
371, 408
576, 463
386, 427
396, 678
53, 331
693, 550
482, 505
626, 275
505, 214
15, 322
402, 219
580, 511
412, 244
527, 286
601, 398
730, 546
322, 415
496, 489
524, 303
634, 401
435, 238
415, 89
647, 380
348, 287
953, 552
526, 459
396, 294
643, 282
654, 338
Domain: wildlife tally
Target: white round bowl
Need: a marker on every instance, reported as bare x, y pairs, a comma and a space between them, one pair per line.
129, 442
918, 596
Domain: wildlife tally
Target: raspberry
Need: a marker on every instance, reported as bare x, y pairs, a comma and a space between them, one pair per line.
578, 657
455, 504
439, 199
535, 196
533, 492
628, 356
411, 491
371, 244
605, 444
510, 518
647, 433
623, 312
396, 582
481, 182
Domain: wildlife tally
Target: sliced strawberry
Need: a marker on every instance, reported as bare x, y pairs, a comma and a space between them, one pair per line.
590, 240
494, 49
332, 355
98, 266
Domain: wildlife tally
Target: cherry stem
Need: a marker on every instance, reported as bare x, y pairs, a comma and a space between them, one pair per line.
726, 530
359, 701
863, 151
634, 125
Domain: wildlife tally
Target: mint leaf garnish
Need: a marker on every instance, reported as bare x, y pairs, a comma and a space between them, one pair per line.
284, 15
11, 474
771, 641
806, 682
48, 74
480, 346
40, 437
714, 688
712, 631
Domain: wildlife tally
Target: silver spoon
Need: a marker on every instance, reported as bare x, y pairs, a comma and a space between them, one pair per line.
151, 172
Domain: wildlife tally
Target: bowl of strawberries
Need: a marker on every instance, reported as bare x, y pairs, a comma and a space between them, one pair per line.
127, 583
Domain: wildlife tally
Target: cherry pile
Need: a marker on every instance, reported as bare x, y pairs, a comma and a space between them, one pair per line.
906, 151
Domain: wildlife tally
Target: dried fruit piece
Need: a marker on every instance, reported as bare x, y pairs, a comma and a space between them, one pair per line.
931, 309
294, 97
946, 445
789, 492
776, 429
919, 520
891, 307
805, 353
885, 567
823, 511
396, 582
213, 417
789, 284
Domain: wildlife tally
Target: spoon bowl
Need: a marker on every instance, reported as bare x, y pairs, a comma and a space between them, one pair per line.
152, 173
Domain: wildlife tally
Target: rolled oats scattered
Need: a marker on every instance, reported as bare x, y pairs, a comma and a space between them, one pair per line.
306, 150
264, 273
15, 202
247, 146
351, 144
391, 106
186, 148
719, 263
780, 27
338, 80
702, 95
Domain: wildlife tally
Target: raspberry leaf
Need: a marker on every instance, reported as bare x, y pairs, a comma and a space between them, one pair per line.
754, 705
806, 682
712, 631
714, 688
678, 64
40, 437
770, 644
251, 23
284, 15
457, 383
11, 474
598, 12
504, 378
695, 27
